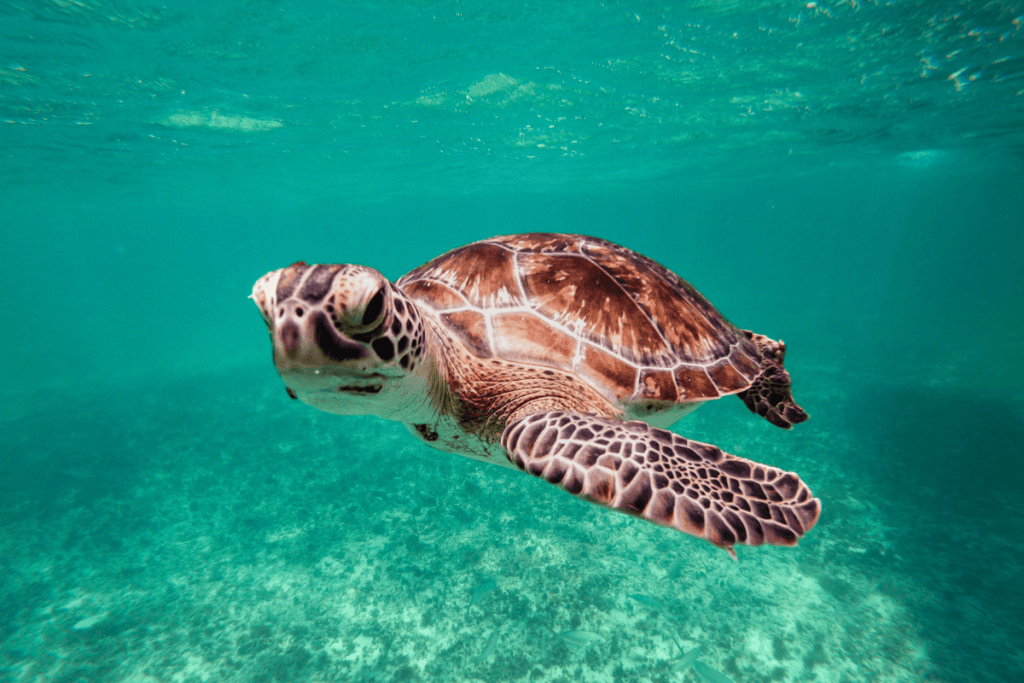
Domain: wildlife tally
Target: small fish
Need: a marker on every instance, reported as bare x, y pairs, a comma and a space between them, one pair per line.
686, 661
580, 638
709, 675
648, 601
88, 622
489, 648
481, 590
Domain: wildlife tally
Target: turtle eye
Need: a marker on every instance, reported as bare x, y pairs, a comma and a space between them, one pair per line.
374, 308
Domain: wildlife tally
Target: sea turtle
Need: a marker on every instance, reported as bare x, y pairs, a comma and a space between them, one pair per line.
564, 356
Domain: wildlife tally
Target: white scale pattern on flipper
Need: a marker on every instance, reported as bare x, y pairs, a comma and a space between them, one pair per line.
665, 478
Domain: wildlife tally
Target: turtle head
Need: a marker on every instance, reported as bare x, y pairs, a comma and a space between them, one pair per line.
344, 338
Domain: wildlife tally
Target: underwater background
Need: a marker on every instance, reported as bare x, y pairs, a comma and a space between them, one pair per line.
845, 175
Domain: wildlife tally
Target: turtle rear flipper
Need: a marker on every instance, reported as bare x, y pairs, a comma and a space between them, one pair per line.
769, 395
660, 476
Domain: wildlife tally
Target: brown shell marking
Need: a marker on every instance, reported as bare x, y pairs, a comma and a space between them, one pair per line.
528, 336
630, 327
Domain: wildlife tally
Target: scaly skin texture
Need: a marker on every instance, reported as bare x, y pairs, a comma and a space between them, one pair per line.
487, 393
662, 477
769, 395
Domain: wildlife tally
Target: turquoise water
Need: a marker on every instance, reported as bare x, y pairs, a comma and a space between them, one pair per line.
846, 176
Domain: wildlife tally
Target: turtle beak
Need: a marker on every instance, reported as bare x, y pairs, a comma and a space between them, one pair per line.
314, 359
319, 363
288, 339
305, 339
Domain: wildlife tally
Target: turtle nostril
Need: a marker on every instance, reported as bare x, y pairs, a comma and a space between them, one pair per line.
290, 338
299, 311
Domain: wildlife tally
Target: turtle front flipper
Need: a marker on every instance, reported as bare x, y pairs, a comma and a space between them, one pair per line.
769, 396
662, 477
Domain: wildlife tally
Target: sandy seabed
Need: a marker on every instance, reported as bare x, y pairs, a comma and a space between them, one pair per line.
249, 538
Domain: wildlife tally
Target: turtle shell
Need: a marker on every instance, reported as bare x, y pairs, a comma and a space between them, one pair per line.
625, 324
